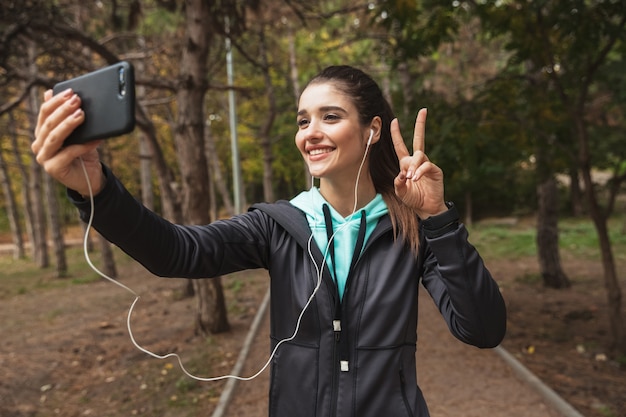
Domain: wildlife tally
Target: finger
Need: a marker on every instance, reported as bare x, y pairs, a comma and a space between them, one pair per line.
51, 103
398, 142
61, 165
57, 128
427, 169
413, 163
80, 149
45, 120
420, 131
57, 118
400, 186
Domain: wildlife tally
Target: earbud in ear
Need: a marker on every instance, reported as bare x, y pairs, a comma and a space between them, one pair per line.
369, 141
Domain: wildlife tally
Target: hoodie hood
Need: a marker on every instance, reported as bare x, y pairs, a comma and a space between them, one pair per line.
345, 230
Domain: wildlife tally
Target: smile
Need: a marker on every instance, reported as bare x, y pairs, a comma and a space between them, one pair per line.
314, 152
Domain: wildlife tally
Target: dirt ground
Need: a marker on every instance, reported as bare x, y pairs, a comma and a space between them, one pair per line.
562, 335
66, 351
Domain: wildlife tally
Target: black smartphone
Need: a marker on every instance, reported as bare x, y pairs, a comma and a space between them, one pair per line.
108, 100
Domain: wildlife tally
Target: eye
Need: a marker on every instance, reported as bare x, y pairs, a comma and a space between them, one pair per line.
331, 117
302, 122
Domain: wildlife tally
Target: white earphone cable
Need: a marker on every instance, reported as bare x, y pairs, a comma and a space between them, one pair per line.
319, 271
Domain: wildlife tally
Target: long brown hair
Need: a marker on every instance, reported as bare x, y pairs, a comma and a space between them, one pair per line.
384, 166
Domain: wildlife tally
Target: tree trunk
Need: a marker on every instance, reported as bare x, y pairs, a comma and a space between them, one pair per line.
189, 136
52, 205
39, 242
611, 282
293, 66
108, 260
145, 172
55, 225
575, 194
295, 82
12, 209
145, 157
216, 175
25, 189
210, 303
170, 201
264, 133
548, 235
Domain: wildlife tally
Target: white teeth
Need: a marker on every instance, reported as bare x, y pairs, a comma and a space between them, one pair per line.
319, 151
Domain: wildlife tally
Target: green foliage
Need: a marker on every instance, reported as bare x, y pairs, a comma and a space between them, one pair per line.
160, 21
416, 27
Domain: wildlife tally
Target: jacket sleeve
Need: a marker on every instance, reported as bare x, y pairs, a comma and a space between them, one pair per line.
458, 281
171, 250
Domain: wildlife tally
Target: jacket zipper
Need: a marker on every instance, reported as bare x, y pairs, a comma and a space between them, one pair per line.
340, 361
335, 381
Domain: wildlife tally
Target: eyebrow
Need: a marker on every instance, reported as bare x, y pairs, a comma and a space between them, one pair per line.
324, 109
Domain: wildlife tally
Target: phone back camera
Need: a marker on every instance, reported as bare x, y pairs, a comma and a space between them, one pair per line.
122, 81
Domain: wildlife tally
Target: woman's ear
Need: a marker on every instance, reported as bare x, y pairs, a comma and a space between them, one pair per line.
375, 128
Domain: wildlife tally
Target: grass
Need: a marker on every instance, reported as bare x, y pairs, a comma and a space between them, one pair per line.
504, 242
577, 238
22, 276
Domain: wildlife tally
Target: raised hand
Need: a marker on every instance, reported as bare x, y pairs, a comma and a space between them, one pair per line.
58, 117
420, 182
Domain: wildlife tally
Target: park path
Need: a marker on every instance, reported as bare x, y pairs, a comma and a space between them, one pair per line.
457, 380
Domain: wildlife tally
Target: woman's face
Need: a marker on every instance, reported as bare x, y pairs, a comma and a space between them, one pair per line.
330, 137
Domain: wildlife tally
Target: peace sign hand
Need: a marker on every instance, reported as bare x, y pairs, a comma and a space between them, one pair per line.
420, 182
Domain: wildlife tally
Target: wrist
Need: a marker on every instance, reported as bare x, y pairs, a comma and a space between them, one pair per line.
442, 223
96, 187
443, 207
96, 182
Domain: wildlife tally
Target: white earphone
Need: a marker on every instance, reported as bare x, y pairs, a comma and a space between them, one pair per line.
369, 141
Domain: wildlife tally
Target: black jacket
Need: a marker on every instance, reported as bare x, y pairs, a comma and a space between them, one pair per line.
376, 345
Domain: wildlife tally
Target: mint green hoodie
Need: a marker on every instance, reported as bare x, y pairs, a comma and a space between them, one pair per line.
345, 230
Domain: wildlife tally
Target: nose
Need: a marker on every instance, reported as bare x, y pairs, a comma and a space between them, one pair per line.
311, 132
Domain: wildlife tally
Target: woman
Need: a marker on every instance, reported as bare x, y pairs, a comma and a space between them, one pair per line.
358, 245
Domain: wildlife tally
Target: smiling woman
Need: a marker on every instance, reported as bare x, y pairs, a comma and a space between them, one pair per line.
345, 259
333, 144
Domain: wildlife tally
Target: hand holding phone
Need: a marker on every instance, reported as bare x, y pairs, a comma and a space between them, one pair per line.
108, 101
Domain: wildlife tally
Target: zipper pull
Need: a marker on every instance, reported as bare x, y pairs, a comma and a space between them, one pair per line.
344, 366
337, 329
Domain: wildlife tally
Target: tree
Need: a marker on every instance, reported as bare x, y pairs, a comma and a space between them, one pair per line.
11, 203
68, 50
571, 42
189, 137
